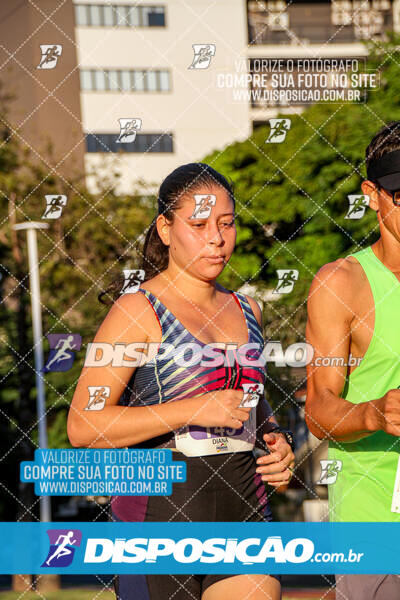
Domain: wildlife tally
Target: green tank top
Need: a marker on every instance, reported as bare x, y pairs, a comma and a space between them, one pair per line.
364, 487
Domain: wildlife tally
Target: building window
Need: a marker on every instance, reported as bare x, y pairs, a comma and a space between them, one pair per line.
95, 14
126, 84
108, 16
144, 142
81, 14
119, 15
138, 81
152, 84
113, 83
122, 16
164, 81
99, 80
152, 16
134, 16
122, 80
86, 80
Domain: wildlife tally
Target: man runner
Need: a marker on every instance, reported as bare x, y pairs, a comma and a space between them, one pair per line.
354, 312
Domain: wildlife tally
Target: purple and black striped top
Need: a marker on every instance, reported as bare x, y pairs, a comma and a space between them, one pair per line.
161, 379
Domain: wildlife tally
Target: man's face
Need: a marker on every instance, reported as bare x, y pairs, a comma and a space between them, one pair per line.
381, 201
389, 212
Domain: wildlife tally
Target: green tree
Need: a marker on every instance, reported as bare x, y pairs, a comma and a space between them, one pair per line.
292, 197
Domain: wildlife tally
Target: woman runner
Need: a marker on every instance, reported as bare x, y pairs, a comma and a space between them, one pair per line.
209, 412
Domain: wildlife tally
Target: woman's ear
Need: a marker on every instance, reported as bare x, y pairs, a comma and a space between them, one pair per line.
163, 229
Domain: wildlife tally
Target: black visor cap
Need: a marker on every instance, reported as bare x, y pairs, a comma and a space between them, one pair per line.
386, 170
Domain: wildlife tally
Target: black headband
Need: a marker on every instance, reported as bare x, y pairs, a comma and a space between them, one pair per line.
385, 165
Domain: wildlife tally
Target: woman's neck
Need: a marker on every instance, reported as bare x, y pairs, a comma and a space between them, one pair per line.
201, 293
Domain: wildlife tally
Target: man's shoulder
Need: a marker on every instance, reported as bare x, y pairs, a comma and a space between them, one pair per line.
342, 275
337, 285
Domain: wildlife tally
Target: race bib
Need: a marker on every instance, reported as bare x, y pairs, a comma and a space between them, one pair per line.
194, 440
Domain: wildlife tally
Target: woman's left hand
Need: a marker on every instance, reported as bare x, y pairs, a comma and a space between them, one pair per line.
276, 468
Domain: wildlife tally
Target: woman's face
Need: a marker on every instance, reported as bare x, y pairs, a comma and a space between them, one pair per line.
201, 243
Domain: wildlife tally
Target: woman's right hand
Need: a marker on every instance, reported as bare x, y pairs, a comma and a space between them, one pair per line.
219, 408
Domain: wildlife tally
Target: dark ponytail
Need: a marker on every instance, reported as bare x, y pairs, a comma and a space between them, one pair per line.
176, 185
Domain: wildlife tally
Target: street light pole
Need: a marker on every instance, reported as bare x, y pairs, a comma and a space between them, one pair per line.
31, 227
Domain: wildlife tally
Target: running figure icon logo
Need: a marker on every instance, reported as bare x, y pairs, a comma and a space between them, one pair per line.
50, 55
357, 205
62, 351
203, 205
54, 206
279, 129
132, 280
252, 394
287, 279
128, 130
203, 54
98, 395
329, 471
62, 547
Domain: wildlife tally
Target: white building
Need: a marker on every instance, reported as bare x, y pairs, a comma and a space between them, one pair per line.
134, 60
141, 69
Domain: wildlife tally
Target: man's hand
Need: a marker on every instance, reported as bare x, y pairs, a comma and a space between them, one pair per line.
384, 413
276, 468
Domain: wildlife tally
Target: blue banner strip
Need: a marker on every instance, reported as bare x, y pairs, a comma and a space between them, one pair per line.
224, 547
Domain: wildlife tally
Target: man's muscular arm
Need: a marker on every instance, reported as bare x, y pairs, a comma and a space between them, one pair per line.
328, 331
